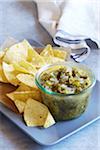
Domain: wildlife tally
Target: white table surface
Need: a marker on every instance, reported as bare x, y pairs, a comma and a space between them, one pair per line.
19, 19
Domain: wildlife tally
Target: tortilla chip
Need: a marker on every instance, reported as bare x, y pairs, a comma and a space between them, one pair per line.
47, 51
19, 68
60, 54
35, 113
2, 53
2, 76
16, 53
26, 79
28, 66
35, 58
23, 87
20, 105
49, 120
10, 73
24, 95
52, 60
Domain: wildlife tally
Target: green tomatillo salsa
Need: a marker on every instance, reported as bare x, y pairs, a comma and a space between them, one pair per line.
65, 80
65, 89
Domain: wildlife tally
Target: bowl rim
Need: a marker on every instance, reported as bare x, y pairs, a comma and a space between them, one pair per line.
46, 67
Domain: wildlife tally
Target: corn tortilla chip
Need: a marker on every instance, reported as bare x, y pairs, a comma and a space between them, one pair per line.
60, 54
2, 53
24, 95
47, 51
16, 53
49, 120
26, 79
52, 60
10, 73
2, 76
28, 66
35, 58
23, 87
35, 113
19, 68
20, 105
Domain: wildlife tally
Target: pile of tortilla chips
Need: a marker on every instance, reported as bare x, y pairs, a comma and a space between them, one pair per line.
18, 66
